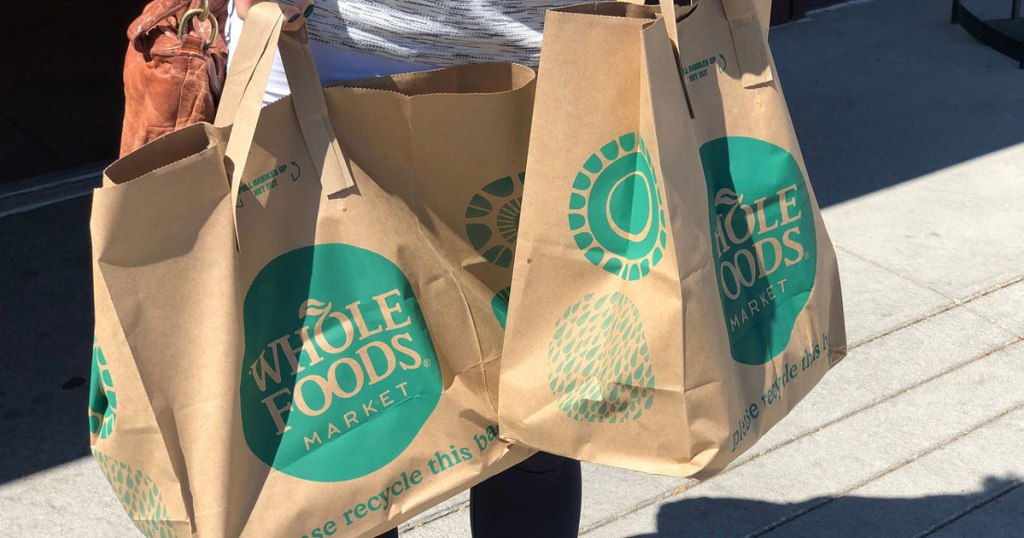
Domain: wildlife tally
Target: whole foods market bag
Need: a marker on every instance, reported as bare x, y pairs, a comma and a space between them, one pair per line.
292, 340
674, 295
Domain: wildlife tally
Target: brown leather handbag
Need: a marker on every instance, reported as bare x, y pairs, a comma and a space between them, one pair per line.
174, 68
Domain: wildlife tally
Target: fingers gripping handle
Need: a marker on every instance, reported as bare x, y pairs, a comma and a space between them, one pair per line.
242, 99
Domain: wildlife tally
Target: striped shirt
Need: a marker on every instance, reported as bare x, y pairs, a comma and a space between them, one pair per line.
436, 33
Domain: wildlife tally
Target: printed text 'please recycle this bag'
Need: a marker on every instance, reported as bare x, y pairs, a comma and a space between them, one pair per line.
675, 292
296, 341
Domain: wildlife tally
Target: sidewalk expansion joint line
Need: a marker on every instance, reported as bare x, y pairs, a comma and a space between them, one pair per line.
673, 492
996, 322
938, 312
436, 516
840, 6
653, 500
972, 508
894, 395
800, 513
888, 269
639, 506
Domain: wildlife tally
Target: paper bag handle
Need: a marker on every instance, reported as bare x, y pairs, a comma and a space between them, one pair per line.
669, 7
750, 40
246, 83
748, 37
668, 16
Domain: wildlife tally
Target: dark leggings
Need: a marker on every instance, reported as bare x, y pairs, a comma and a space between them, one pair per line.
539, 497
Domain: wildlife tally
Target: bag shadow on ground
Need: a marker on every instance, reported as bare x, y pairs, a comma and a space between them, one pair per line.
991, 508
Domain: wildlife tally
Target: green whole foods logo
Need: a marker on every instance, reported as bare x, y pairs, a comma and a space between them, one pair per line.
616, 209
762, 227
138, 495
339, 373
492, 219
599, 366
102, 398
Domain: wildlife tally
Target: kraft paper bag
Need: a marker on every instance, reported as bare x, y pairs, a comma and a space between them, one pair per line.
296, 331
675, 293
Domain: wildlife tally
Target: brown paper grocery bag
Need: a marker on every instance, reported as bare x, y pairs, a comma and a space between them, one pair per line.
675, 293
295, 330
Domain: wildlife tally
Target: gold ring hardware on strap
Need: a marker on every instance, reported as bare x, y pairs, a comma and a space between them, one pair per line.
203, 14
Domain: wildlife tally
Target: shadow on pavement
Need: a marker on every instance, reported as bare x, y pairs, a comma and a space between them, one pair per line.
884, 92
881, 92
46, 329
940, 515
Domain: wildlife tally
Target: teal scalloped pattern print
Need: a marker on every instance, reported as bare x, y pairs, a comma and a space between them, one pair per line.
499, 304
617, 211
599, 366
102, 398
139, 496
492, 219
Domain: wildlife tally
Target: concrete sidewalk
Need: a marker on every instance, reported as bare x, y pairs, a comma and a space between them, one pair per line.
914, 137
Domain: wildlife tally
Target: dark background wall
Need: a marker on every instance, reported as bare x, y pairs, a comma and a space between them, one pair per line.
61, 98
788, 10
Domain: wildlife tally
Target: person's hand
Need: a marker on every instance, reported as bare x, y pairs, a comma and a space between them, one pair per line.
295, 16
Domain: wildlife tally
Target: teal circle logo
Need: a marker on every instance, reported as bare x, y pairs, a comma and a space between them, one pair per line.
499, 305
339, 373
138, 495
599, 366
764, 242
616, 209
102, 398
492, 219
